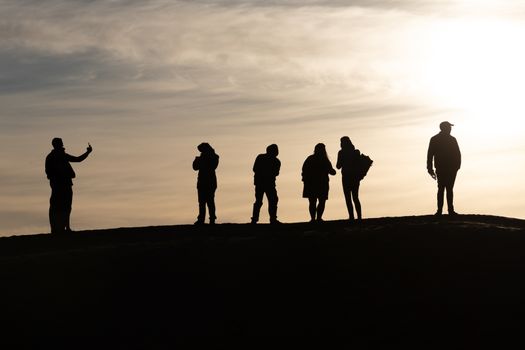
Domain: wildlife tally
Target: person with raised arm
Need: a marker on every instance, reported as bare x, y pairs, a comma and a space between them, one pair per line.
61, 174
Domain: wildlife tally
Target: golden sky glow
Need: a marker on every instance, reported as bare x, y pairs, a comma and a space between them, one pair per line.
146, 82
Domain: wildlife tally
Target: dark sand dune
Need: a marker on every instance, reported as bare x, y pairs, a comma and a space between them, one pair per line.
386, 281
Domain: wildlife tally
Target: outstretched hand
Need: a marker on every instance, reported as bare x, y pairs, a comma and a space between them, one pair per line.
89, 148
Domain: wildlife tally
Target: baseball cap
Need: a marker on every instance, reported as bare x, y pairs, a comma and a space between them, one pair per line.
445, 124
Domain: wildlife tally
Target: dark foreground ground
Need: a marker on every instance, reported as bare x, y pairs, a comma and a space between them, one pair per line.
385, 282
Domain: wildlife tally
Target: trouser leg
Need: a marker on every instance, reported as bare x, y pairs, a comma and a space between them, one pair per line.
450, 192
441, 190
273, 199
311, 207
320, 209
202, 205
259, 193
348, 199
60, 207
440, 197
446, 180
68, 204
357, 202
54, 213
347, 191
211, 206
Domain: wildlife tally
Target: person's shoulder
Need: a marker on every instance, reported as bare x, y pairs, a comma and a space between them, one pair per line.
436, 138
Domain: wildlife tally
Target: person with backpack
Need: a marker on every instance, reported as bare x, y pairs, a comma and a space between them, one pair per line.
265, 169
444, 154
316, 169
349, 161
206, 164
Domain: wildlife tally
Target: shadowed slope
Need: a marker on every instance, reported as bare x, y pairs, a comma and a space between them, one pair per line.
385, 281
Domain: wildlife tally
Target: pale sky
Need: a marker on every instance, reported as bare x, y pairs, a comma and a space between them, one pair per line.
146, 81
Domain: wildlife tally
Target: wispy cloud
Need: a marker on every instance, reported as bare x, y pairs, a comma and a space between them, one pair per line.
146, 81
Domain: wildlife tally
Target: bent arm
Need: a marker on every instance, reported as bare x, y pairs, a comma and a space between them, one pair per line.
77, 159
331, 169
339, 164
196, 163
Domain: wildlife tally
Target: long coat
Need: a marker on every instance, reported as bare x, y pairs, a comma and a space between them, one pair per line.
315, 177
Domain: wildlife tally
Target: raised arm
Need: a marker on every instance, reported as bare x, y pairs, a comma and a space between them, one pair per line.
80, 158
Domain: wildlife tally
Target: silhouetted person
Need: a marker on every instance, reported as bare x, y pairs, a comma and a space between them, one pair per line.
348, 162
266, 168
444, 152
316, 169
206, 164
60, 175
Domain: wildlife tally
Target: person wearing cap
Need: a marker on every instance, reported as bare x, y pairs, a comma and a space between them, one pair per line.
265, 169
444, 154
60, 175
206, 164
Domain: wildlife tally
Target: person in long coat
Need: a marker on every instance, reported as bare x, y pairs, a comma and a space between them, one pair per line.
316, 169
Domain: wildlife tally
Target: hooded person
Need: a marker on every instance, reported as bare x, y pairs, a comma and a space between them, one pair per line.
265, 169
206, 164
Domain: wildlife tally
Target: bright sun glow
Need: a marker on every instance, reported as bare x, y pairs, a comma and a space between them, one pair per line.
478, 66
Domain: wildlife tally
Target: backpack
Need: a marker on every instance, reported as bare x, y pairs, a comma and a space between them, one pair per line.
365, 162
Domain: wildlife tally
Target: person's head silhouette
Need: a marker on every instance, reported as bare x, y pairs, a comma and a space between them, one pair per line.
346, 143
57, 143
272, 150
205, 148
320, 150
446, 127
